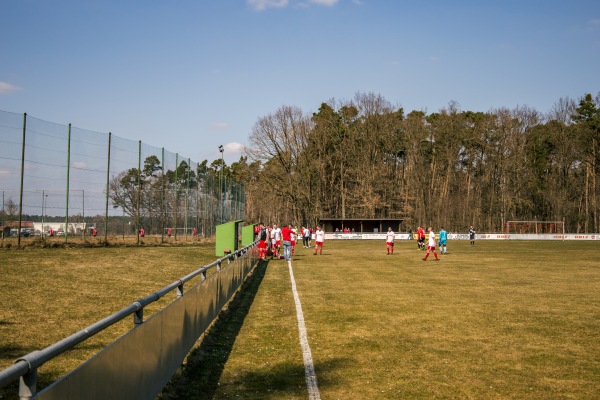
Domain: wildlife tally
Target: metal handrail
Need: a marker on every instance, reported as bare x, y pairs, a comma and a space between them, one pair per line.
28, 364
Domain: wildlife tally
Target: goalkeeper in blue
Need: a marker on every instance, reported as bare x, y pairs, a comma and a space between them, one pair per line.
442, 241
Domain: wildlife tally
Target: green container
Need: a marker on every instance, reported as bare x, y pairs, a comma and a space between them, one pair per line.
227, 238
248, 235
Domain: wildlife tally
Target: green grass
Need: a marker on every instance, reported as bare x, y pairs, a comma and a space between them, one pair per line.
516, 320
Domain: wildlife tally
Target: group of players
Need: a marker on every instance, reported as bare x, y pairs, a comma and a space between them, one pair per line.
271, 238
432, 241
431, 245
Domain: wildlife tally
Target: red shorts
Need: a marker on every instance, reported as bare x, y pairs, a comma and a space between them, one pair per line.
262, 244
389, 244
431, 248
278, 243
320, 244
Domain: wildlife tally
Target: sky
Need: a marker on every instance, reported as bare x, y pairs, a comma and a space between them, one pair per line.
190, 75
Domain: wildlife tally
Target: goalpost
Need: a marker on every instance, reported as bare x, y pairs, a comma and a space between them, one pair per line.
535, 227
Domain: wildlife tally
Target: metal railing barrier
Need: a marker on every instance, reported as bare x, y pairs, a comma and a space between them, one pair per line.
140, 363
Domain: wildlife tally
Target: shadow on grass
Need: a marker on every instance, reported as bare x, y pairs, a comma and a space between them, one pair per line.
200, 376
280, 380
11, 351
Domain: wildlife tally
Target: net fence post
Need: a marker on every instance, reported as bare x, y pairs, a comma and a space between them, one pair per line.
68, 177
139, 194
176, 193
162, 198
22, 175
107, 191
187, 193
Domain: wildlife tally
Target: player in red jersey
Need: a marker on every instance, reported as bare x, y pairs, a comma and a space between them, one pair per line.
263, 235
421, 238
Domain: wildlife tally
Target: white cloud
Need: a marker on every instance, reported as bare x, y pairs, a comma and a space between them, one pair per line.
260, 5
234, 147
324, 2
80, 165
6, 87
220, 126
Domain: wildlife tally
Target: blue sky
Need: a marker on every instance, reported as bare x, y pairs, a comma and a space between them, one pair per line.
191, 75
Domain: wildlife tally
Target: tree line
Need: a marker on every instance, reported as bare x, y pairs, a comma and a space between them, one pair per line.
364, 158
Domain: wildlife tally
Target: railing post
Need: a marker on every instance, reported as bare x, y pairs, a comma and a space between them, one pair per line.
138, 317
179, 290
28, 385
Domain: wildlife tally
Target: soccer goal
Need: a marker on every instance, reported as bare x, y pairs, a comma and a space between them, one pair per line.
535, 227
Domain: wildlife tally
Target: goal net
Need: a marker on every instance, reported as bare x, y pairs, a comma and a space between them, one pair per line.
535, 227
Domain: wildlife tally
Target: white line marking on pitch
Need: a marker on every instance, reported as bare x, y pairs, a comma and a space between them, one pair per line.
309, 367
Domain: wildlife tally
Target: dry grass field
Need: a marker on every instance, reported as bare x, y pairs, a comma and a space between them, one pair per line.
90, 241
516, 320
500, 320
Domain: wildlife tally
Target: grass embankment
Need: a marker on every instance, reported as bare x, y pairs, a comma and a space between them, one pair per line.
516, 320
48, 294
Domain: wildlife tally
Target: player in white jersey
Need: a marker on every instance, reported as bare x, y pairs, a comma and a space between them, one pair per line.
389, 241
276, 240
432, 244
319, 239
294, 237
